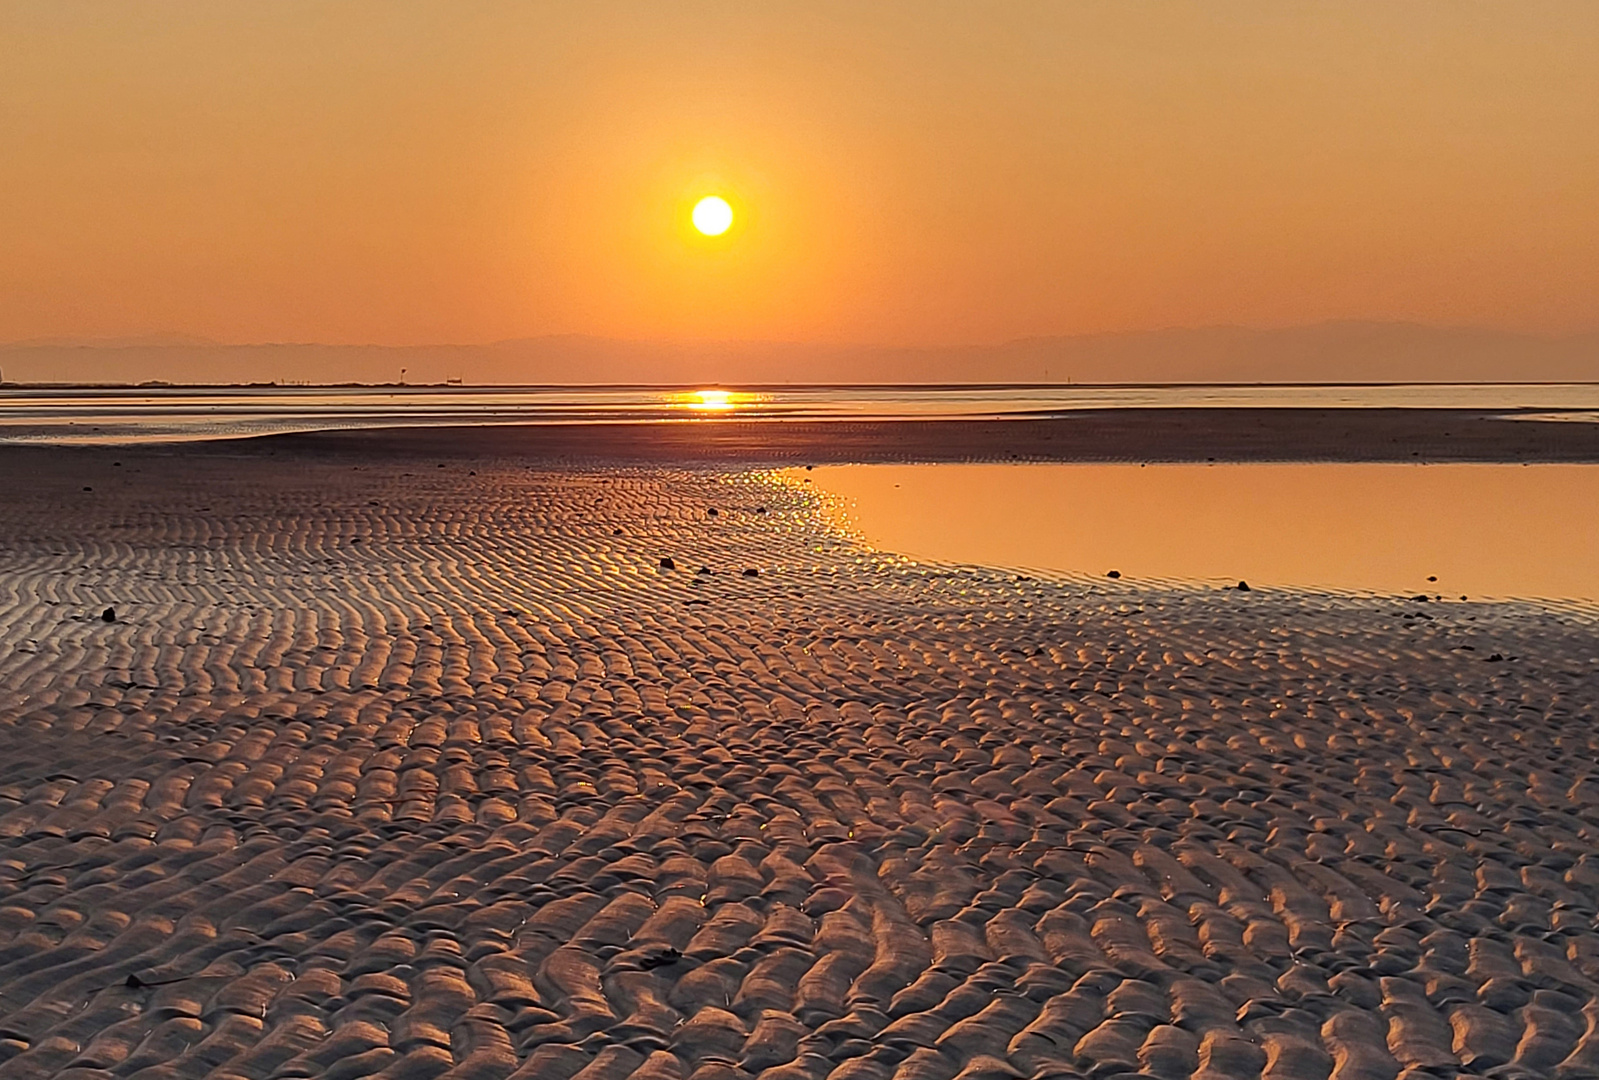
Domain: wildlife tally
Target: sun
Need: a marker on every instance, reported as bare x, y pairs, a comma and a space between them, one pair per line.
712, 215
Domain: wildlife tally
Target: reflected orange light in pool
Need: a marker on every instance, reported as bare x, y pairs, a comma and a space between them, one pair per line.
1482, 530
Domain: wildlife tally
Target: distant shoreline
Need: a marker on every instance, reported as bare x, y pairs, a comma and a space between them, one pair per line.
1357, 352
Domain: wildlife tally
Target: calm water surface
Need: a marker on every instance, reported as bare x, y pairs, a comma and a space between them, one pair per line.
1486, 531
149, 414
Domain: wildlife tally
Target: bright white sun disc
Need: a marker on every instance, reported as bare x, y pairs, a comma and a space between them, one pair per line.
712, 215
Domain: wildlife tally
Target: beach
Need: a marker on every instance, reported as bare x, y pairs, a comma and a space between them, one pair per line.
601, 753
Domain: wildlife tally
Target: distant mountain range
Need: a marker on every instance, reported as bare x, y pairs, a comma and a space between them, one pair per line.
1325, 352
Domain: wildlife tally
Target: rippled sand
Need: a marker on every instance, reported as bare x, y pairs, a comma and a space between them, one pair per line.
397, 769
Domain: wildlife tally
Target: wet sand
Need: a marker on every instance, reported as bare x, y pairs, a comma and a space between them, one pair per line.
1168, 434
422, 765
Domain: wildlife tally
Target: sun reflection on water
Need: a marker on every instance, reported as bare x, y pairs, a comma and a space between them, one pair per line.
714, 400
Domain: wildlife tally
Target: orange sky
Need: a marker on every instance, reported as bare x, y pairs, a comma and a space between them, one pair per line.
908, 172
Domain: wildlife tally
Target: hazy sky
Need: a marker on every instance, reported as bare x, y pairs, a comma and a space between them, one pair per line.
913, 173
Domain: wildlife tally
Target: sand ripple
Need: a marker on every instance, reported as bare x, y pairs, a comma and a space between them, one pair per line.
398, 770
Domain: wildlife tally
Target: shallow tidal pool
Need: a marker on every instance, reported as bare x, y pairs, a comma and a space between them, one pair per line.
1484, 531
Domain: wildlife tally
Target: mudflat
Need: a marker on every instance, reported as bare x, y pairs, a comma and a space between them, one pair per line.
1122, 434
356, 756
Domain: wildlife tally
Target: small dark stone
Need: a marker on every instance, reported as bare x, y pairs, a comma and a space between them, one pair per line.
133, 982
703, 571
1432, 577
616, 532
87, 488
1113, 573
750, 571
667, 563
108, 615
760, 509
1243, 586
712, 512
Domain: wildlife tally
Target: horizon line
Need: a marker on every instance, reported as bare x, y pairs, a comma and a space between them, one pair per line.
161, 384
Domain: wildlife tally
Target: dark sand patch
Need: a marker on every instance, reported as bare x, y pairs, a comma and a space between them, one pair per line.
1178, 434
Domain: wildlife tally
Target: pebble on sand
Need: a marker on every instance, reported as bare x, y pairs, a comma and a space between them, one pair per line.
108, 615
667, 563
1113, 573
